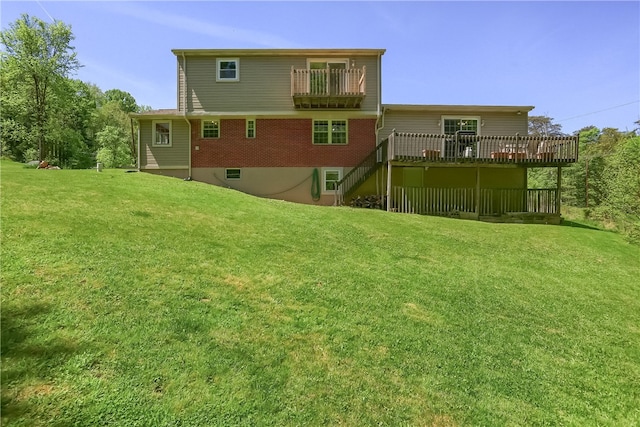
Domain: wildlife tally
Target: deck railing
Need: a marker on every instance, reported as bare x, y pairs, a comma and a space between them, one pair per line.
328, 82
422, 147
492, 202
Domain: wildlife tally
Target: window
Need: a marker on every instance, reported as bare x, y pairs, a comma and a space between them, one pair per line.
251, 128
232, 173
330, 179
161, 133
454, 124
329, 131
460, 146
210, 129
227, 69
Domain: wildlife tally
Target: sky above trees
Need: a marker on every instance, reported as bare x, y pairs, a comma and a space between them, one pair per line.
577, 62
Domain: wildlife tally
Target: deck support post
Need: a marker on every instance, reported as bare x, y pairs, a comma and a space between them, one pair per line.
558, 189
477, 207
390, 151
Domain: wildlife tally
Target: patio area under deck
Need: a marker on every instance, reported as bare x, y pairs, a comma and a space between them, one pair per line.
487, 204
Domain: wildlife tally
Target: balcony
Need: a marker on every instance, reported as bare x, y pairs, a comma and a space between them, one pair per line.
474, 149
328, 88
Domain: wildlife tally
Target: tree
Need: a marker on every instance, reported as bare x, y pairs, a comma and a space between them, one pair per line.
544, 126
622, 178
125, 101
40, 56
114, 151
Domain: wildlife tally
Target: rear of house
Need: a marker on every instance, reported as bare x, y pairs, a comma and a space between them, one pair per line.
308, 125
279, 123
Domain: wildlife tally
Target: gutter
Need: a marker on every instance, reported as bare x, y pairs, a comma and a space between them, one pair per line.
184, 105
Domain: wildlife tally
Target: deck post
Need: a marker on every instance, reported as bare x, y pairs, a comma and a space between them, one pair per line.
390, 150
558, 187
477, 207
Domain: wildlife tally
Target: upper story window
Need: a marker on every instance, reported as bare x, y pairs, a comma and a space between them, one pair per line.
161, 133
329, 131
227, 69
211, 129
451, 125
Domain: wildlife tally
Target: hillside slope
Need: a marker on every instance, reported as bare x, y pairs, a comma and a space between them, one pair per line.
132, 299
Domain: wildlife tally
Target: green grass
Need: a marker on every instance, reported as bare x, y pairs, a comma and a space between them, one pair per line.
136, 300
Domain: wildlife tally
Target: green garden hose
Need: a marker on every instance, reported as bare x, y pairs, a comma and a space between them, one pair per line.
315, 185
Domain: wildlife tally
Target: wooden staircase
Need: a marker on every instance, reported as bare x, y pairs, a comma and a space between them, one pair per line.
359, 174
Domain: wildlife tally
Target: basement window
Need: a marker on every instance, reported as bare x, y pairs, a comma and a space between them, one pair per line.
330, 179
232, 173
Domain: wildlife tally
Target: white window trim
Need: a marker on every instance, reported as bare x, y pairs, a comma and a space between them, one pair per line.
226, 174
330, 133
153, 133
246, 128
324, 179
210, 119
476, 118
329, 60
220, 79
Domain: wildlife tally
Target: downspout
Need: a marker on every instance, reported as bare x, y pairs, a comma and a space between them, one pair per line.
379, 112
184, 106
133, 139
379, 127
139, 155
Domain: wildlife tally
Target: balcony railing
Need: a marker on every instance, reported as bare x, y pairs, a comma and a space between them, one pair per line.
328, 88
534, 150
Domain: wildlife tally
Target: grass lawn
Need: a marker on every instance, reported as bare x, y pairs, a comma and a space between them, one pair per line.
136, 300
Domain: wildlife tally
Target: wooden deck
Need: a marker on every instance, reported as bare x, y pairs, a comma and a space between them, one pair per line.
474, 149
466, 151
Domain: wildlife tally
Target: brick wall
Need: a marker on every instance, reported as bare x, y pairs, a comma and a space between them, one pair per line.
279, 143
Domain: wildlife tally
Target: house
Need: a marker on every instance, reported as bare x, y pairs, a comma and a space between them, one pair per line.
309, 126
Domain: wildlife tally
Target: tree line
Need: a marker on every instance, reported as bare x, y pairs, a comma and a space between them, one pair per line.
48, 115
605, 182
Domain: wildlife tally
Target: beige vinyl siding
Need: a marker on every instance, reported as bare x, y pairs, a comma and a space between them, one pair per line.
154, 157
410, 121
505, 124
181, 84
265, 84
427, 122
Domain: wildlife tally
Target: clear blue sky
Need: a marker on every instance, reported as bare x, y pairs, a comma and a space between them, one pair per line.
577, 62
